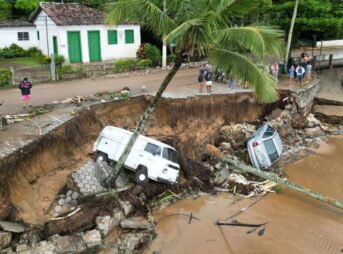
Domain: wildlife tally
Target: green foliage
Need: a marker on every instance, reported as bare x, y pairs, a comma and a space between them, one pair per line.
59, 60
5, 10
125, 65
321, 17
171, 58
153, 53
144, 63
5, 77
277, 189
27, 5
13, 51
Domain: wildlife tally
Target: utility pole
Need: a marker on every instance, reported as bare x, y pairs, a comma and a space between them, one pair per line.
289, 41
164, 47
47, 35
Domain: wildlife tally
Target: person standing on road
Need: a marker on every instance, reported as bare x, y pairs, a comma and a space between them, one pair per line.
208, 78
201, 79
291, 73
275, 70
25, 87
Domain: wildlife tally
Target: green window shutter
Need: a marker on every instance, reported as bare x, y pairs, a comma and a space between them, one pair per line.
112, 37
38, 35
129, 36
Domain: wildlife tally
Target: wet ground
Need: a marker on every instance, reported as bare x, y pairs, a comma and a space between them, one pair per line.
296, 223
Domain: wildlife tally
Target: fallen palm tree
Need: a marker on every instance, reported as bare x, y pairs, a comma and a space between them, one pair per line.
282, 181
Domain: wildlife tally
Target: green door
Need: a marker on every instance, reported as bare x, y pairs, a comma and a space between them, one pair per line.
94, 46
54, 41
74, 47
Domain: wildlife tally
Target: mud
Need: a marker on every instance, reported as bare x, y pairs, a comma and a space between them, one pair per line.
32, 178
296, 223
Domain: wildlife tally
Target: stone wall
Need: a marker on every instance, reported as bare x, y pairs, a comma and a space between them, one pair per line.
304, 97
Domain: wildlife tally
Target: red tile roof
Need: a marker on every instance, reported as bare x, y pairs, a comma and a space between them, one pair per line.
70, 14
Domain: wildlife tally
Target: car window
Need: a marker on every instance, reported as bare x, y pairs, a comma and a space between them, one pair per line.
170, 154
269, 132
271, 149
153, 149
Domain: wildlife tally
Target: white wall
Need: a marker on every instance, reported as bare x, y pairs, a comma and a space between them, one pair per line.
333, 43
120, 50
42, 22
9, 35
116, 51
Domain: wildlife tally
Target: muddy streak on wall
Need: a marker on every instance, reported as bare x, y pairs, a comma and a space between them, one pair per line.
39, 171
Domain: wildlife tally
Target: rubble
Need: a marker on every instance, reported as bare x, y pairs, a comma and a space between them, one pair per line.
135, 223
105, 224
5, 239
92, 238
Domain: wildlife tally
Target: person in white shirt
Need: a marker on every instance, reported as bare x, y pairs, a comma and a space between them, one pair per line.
300, 73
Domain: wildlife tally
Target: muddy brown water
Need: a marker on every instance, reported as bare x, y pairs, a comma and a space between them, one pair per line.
296, 223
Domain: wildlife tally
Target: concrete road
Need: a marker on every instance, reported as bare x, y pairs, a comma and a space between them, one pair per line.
49, 92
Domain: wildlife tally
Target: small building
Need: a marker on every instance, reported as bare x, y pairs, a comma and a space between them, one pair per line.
22, 33
80, 34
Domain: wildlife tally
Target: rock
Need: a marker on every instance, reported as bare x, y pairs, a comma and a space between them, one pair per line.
276, 113
221, 176
312, 121
5, 239
71, 243
21, 247
7, 250
213, 151
92, 238
130, 242
238, 179
105, 224
225, 146
313, 132
118, 215
135, 222
126, 207
218, 166
283, 132
44, 247
12, 227
30, 237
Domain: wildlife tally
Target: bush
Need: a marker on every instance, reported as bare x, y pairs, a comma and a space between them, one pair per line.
59, 60
171, 58
153, 53
125, 65
145, 63
5, 77
13, 51
33, 51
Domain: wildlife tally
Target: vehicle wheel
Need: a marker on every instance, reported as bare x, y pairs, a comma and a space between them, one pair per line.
101, 157
141, 176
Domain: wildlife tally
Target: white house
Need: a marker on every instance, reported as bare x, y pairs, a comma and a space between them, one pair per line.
75, 31
22, 33
79, 34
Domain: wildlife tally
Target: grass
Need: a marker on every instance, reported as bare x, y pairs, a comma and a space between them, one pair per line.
25, 61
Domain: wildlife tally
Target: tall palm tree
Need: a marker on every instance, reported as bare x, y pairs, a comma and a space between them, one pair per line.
203, 28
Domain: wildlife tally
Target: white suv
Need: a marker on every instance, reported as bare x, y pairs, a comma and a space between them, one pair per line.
264, 147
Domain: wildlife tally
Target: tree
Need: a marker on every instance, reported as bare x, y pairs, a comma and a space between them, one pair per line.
322, 17
5, 10
203, 27
27, 5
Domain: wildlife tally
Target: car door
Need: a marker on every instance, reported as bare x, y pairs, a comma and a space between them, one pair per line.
169, 165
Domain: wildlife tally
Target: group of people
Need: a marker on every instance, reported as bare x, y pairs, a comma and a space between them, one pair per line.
205, 78
297, 72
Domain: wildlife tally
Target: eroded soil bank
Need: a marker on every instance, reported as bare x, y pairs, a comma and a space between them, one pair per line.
296, 224
33, 177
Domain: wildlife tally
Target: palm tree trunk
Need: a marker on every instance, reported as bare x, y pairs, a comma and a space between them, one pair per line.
143, 119
290, 33
275, 178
